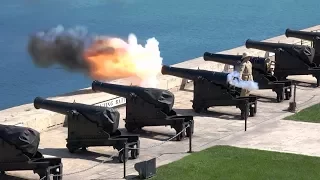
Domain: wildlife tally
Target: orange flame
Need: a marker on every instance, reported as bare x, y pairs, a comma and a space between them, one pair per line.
113, 58
109, 59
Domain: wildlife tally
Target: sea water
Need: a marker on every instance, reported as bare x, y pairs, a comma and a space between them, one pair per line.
184, 28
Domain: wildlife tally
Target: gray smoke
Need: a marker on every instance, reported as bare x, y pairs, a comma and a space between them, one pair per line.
60, 46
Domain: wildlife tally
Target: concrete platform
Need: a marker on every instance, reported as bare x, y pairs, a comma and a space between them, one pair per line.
221, 125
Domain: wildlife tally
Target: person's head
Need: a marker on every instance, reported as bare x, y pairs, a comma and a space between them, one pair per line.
270, 65
245, 56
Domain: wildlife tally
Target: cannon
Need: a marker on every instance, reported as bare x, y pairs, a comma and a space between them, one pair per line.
90, 125
314, 37
261, 73
19, 151
290, 59
148, 107
212, 89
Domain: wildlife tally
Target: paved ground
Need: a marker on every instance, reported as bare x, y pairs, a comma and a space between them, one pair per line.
219, 126
282, 136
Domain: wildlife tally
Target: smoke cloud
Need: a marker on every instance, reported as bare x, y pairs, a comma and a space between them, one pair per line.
234, 79
100, 57
60, 46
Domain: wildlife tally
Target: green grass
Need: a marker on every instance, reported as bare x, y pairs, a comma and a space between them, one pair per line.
310, 114
231, 163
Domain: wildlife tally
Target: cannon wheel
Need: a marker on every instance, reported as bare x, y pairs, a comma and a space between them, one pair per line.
131, 127
280, 97
198, 110
134, 152
253, 110
287, 95
180, 136
72, 148
243, 112
42, 173
121, 157
189, 131
179, 128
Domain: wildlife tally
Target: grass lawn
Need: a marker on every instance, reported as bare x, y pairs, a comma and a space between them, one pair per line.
231, 163
310, 114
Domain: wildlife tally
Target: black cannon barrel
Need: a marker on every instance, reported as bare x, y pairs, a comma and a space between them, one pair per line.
64, 107
223, 58
267, 46
192, 74
115, 89
304, 53
158, 97
258, 63
310, 36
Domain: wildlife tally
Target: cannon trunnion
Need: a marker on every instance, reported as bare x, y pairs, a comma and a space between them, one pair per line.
212, 89
290, 59
261, 75
148, 107
19, 151
90, 125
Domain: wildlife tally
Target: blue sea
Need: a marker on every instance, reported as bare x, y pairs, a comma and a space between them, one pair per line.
184, 28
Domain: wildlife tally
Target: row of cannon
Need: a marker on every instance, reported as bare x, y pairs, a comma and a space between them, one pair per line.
90, 125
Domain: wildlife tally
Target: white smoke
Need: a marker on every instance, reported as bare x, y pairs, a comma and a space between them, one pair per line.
234, 79
147, 60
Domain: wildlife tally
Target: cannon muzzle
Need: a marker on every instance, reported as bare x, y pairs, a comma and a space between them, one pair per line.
192, 74
310, 36
64, 107
223, 58
115, 89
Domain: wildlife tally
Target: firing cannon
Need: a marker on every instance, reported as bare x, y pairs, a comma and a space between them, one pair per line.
261, 73
90, 125
290, 59
212, 89
19, 151
314, 37
148, 107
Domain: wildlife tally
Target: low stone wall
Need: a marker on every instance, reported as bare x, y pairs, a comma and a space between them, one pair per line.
41, 120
